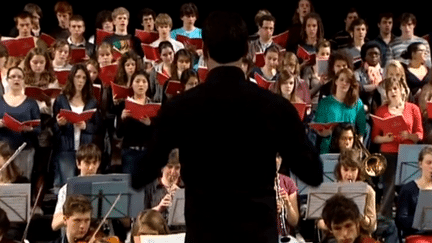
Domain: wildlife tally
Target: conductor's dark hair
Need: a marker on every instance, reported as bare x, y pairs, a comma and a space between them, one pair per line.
339, 209
4, 222
225, 37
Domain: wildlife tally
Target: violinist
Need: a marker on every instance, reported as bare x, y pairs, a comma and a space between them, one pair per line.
77, 211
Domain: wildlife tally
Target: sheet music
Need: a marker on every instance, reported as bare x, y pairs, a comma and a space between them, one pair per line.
173, 238
15, 201
317, 196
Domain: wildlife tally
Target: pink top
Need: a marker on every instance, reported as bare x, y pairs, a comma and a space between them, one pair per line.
413, 119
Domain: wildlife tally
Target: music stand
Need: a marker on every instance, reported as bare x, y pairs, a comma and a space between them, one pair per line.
15, 201
407, 163
176, 210
318, 196
102, 191
329, 162
171, 238
423, 212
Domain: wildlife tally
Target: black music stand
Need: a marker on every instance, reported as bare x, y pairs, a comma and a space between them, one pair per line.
423, 213
318, 196
103, 190
15, 201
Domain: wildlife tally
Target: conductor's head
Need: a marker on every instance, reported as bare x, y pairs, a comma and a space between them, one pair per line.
225, 37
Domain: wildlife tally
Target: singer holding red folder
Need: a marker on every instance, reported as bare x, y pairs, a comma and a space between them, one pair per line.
389, 143
136, 134
22, 108
77, 96
228, 131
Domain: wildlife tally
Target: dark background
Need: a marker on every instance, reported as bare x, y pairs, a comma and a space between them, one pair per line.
332, 12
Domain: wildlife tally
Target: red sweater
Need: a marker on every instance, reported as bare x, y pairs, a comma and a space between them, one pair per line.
413, 119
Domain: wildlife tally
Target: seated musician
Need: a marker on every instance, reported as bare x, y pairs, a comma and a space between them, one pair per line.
149, 222
88, 158
349, 169
159, 194
77, 211
408, 198
11, 173
342, 217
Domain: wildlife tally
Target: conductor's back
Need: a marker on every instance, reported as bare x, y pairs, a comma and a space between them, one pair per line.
228, 131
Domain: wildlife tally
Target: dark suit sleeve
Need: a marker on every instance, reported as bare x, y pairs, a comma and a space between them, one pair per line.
298, 154
163, 142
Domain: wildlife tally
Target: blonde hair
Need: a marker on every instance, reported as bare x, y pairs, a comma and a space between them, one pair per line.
400, 69
119, 11
163, 19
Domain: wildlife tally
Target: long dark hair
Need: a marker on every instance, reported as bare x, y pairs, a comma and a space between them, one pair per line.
337, 133
87, 91
121, 77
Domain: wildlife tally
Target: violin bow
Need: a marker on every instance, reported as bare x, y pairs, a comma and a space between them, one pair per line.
105, 217
31, 215
14, 155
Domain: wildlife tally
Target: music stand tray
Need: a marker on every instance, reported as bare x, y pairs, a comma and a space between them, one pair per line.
318, 196
15, 201
102, 191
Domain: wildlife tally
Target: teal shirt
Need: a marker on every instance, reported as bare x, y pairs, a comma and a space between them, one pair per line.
331, 110
194, 34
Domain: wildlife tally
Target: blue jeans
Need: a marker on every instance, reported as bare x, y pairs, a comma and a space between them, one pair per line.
131, 158
64, 163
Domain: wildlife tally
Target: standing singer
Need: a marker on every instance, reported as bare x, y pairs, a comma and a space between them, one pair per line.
228, 131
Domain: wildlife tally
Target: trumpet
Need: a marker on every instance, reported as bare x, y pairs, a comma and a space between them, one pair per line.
374, 164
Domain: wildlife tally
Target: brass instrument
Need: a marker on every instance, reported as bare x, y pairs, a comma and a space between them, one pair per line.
374, 164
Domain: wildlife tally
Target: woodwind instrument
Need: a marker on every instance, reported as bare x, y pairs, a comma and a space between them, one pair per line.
279, 199
14, 155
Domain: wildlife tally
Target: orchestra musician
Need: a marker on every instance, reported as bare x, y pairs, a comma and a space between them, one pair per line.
77, 211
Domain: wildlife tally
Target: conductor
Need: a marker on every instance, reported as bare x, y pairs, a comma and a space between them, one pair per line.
228, 131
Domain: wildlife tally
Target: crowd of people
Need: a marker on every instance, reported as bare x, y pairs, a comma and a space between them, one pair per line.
348, 80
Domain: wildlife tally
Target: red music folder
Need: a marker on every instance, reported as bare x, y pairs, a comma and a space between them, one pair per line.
77, 55
16, 125
62, 76
74, 117
301, 109
262, 82
146, 37
174, 87
259, 59
323, 126
42, 94
120, 91
196, 42
162, 78
100, 36
393, 124
107, 74
151, 53
19, 47
139, 111
97, 92
281, 39
305, 55
202, 73
49, 40
116, 55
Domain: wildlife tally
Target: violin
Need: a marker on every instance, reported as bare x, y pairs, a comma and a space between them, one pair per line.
94, 235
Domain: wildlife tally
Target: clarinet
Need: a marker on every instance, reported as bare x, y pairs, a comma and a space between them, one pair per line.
282, 215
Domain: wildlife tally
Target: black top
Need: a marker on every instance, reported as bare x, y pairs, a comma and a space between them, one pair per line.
228, 131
